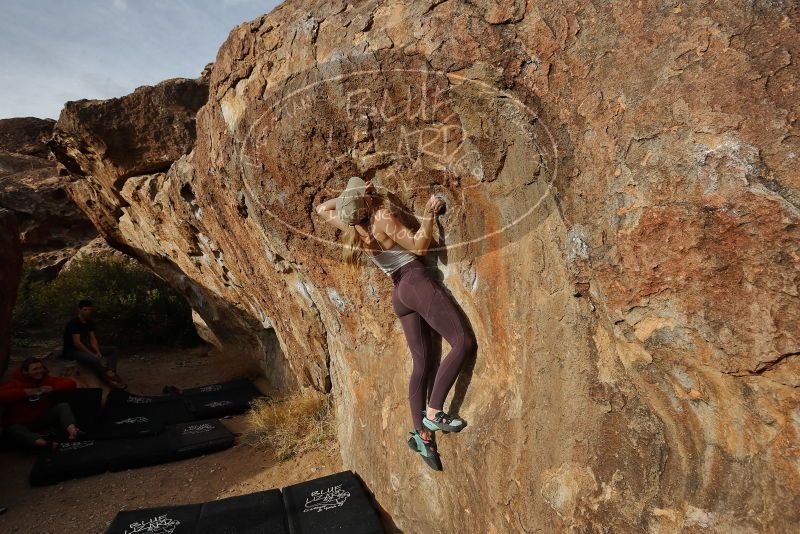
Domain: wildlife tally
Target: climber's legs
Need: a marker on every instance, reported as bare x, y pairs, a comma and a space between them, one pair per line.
417, 293
418, 337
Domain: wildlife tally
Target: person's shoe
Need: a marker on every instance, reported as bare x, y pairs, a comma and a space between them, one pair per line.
426, 448
443, 421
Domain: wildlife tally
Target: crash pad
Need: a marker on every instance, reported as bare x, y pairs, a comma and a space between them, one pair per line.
254, 513
92, 457
331, 504
164, 520
166, 409
220, 400
198, 437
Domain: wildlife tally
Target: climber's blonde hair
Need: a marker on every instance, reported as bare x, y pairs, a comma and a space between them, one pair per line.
352, 245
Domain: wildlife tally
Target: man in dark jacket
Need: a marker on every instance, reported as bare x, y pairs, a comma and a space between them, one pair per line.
29, 407
80, 344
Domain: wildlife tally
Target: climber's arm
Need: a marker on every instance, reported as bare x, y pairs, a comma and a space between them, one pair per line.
415, 242
327, 210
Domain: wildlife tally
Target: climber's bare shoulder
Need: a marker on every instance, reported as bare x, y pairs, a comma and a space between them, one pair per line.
388, 224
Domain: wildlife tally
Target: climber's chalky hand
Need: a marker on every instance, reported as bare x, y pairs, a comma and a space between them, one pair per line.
434, 205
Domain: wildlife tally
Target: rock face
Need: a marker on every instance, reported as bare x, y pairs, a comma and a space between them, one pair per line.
622, 233
97, 248
52, 227
10, 270
116, 153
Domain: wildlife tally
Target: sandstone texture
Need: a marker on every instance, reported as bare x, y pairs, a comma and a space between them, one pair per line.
10, 270
52, 227
97, 248
621, 232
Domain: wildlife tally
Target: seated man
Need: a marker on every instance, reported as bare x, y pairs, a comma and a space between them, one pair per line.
29, 407
80, 344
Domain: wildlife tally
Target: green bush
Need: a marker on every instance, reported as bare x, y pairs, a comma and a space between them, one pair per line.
132, 305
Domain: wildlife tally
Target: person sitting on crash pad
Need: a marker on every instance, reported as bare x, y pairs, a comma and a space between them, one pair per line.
80, 344
29, 406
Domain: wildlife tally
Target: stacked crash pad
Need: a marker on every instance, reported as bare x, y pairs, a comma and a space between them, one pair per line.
335, 503
136, 430
254, 513
92, 457
219, 400
126, 415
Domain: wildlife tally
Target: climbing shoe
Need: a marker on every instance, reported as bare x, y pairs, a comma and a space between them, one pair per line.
426, 448
444, 422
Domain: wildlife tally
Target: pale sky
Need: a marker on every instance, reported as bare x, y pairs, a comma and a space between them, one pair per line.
52, 51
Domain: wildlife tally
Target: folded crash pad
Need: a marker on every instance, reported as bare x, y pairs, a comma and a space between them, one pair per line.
86, 458
334, 503
129, 427
219, 400
141, 452
166, 520
73, 460
165, 409
254, 513
198, 437
239, 383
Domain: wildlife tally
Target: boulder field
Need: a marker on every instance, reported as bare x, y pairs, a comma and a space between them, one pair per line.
621, 232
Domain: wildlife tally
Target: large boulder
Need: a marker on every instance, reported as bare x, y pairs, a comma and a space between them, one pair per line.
10, 270
622, 234
115, 154
52, 228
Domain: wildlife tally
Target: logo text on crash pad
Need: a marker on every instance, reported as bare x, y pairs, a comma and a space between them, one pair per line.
326, 499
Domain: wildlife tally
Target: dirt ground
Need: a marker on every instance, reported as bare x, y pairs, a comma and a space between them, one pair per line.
89, 504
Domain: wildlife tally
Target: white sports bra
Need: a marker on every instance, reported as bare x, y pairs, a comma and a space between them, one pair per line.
389, 260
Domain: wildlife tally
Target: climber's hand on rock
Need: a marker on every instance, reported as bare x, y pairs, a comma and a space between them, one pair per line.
434, 205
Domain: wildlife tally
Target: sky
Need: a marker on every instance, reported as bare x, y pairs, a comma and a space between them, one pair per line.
53, 51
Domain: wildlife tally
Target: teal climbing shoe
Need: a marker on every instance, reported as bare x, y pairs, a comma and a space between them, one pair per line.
443, 421
426, 448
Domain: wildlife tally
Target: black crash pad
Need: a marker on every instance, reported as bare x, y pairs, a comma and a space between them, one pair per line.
166, 409
254, 513
166, 520
73, 460
86, 458
129, 427
335, 503
237, 384
219, 400
141, 452
198, 437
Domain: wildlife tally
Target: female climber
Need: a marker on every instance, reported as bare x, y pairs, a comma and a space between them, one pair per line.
417, 299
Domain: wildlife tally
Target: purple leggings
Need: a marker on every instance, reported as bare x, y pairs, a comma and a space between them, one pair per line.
421, 304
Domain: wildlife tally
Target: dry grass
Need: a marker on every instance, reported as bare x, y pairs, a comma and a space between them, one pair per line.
293, 425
